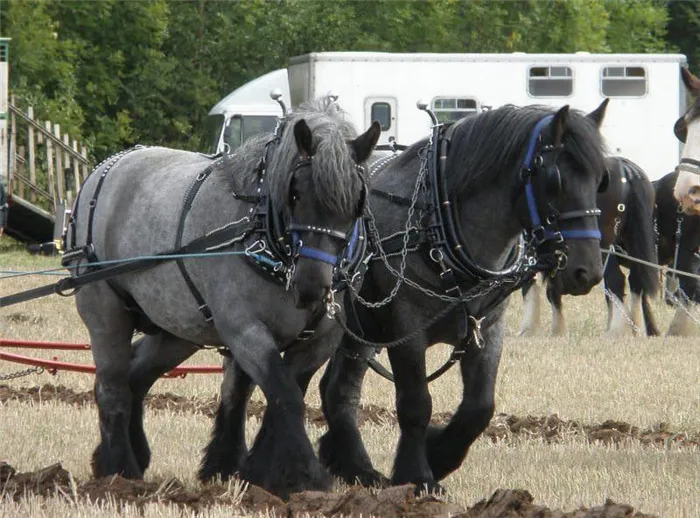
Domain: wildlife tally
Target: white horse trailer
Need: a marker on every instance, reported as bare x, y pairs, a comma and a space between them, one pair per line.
645, 90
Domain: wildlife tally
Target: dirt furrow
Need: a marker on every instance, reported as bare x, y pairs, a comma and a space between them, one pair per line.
547, 428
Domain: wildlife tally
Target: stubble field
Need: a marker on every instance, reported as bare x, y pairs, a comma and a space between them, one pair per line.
580, 420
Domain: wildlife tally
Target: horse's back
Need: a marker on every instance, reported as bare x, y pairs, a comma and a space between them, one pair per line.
139, 201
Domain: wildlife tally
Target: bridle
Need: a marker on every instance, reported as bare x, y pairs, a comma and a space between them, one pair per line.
541, 162
353, 239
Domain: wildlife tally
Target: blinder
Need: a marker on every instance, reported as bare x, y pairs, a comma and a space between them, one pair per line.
680, 129
604, 182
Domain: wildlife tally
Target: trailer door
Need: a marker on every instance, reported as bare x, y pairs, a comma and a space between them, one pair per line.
382, 109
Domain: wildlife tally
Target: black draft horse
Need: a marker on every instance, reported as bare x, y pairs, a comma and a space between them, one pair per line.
627, 224
679, 242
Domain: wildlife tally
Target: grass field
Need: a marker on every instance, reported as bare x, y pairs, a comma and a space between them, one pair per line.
585, 377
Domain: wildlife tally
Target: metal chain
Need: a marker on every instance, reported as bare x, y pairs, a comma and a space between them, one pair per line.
683, 304
21, 374
400, 277
621, 307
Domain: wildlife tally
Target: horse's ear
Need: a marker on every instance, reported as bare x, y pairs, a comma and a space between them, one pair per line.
558, 124
304, 138
598, 114
691, 82
364, 144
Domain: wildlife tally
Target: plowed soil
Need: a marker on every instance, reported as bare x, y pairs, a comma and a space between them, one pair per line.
393, 502
548, 428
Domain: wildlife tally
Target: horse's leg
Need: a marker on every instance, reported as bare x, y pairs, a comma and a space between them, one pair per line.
413, 408
531, 309
652, 327
226, 451
282, 459
554, 297
152, 356
615, 285
448, 445
640, 307
341, 448
111, 328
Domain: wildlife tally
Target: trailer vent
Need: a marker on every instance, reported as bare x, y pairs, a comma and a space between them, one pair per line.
554, 81
449, 109
623, 81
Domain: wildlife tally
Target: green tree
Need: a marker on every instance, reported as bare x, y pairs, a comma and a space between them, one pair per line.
684, 30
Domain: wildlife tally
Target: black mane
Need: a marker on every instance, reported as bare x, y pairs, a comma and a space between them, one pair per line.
487, 147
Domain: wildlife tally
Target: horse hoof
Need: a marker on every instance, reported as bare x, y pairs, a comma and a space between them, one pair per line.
103, 466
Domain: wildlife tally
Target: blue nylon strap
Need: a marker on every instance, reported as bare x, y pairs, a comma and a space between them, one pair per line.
533, 139
580, 234
353, 240
531, 205
317, 255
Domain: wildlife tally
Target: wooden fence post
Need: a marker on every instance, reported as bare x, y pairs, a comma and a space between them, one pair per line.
13, 149
59, 164
76, 168
31, 156
49, 164
21, 171
67, 171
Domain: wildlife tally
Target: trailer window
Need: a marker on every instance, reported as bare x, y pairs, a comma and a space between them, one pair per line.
381, 112
553, 81
623, 81
449, 109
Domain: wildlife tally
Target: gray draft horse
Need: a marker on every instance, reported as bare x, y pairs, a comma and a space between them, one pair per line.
317, 186
486, 181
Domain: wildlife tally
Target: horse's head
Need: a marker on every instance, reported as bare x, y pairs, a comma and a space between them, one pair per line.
562, 173
325, 197
687, 130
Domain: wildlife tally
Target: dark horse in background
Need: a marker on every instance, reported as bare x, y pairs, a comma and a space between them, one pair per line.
679, 244
311, 178
626, 223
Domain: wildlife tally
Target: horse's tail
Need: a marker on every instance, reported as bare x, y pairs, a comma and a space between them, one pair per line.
639, 236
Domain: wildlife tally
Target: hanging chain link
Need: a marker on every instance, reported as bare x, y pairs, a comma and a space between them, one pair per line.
621, 307
683, 304
21, 374
372, 225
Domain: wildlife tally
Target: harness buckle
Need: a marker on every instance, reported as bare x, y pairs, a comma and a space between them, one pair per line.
539, 234
206, 312
476, 331
289, 275
562, 259
332, 307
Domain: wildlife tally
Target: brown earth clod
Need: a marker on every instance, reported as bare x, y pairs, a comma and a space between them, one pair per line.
550, 429
393, 502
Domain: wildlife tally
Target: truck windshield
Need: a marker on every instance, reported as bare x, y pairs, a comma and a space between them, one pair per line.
241, 128
212, 132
